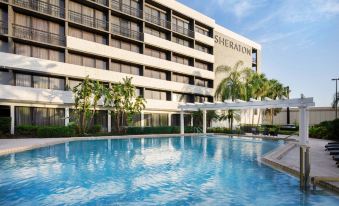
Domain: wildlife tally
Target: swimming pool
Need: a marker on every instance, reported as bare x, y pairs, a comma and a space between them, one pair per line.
151, 171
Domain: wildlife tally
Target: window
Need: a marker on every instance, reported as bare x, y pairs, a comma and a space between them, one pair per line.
5, 78
181, 59
201, 82
87, 61
42, 82
155, 74
125, 68
155, 119
154, 94
202, 48
155, 32
39, 52
202, 31
178, 97
180, 78
181, 41
180, 25
155, 16
78, 33
23, 80
202, 65
125, 45
39, 116
155, 53
73, 83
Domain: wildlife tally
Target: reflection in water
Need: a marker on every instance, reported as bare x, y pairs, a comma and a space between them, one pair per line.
148, 171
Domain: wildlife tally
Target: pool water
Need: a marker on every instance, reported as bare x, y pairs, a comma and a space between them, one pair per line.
151, 171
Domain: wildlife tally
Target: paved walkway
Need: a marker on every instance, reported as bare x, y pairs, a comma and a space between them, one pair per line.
322, 165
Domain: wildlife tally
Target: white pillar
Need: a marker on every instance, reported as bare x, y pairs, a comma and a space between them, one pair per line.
142, 117
182, 123
66, 116
12, 118
169, 119
302, 126
204, 121
109, 121
192, 120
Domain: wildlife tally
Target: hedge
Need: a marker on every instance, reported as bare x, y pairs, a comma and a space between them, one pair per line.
56, 131
325, 130
5, 125
26, 130
157, 130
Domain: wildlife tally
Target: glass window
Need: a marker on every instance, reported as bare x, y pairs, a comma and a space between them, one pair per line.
56, 83
23, 80
40, 82
5, 78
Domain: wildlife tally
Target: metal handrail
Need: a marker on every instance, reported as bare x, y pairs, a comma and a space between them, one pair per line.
3, 27
158, 21
38, 35
42, 7
116, 29
87, 20
182, 30
103, 2
126, 9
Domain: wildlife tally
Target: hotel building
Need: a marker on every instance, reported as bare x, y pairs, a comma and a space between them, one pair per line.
171, 51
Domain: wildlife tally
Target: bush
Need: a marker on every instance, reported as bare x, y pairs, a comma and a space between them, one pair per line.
27, 130
157, 130
325, 130
56, 131
95, 129
5, 125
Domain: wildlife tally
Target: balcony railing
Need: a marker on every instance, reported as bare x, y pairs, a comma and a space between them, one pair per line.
156, 20
117, 5
38, 35
102, 2
88, 20
3, 27
116, 29
42, 7
182, 30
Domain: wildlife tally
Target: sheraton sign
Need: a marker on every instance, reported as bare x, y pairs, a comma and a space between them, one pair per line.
230, 44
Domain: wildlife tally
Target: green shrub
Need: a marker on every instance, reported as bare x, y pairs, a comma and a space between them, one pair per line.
27, 130
325, 130
157, 130
5, 125
56, 131
95, 129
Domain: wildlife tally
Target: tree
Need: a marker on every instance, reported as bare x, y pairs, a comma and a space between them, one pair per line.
122, 101
276, 90
86, 97
198, 117
232, 86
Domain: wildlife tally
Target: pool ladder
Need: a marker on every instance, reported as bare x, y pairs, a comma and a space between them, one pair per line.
198, 130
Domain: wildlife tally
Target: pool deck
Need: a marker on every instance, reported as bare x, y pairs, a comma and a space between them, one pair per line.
324, 170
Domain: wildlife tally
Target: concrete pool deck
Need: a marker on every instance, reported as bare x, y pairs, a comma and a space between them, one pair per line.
324, 170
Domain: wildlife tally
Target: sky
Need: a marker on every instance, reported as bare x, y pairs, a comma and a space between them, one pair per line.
299, 38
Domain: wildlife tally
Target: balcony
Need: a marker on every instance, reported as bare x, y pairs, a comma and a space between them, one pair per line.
3, 27
42, 7
38, 35
126, 32
156, 20
6, 1
182, 30
126, 9
87, 20
102, 2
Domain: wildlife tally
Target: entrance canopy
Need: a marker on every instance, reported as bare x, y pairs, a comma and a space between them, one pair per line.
302, 103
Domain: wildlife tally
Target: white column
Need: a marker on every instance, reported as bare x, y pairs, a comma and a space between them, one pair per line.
182, 123
302, 125
307, 125
204, 121
109, 121
142, 117
12, 118
169, 119
192, 120
66, 116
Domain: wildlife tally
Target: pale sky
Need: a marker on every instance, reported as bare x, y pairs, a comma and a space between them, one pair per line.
299, 38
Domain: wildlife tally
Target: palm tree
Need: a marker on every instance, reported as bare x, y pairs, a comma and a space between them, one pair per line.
232, 86
276, 90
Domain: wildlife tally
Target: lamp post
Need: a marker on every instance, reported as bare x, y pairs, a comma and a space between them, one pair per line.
336, 97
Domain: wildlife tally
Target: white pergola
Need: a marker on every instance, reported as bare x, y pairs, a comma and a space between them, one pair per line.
302, 103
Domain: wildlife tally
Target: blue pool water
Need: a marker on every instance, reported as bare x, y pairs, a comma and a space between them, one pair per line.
151, 171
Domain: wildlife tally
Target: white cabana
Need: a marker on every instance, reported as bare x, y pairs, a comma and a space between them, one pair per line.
302, 103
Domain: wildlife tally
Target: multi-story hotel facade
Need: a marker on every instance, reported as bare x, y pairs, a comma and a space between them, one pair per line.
172, 51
